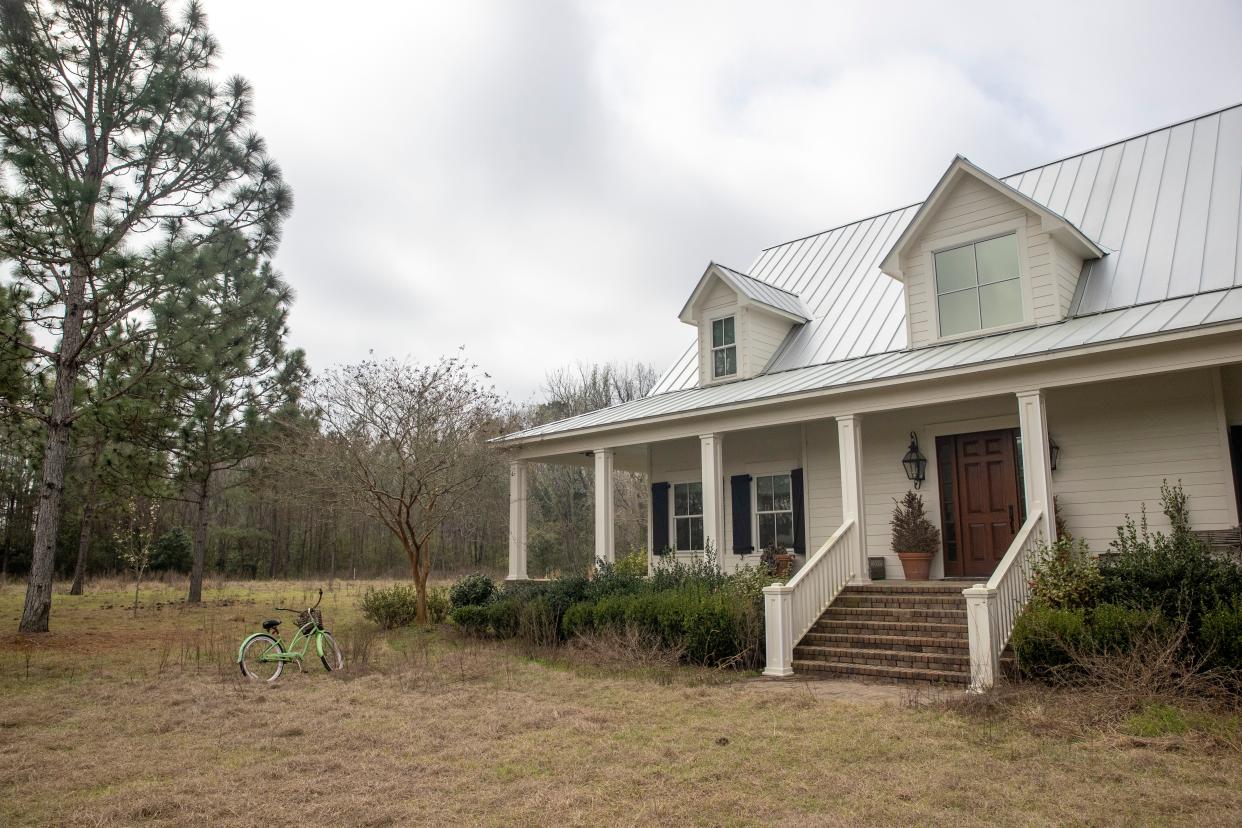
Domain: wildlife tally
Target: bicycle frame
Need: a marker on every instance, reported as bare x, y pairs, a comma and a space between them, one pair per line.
292, 653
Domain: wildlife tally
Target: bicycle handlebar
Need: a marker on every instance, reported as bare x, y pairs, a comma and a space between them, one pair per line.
317, 603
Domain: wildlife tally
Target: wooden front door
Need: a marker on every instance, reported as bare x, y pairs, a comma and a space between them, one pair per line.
983, 506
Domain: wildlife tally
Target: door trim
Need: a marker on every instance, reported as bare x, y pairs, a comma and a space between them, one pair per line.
949, 465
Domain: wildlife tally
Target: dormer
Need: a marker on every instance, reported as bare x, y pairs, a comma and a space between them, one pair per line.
742, 323
979, 257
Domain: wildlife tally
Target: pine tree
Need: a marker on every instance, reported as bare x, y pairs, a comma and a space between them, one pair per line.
119, 155
230, 373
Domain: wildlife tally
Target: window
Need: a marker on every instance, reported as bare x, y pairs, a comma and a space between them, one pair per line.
687, 516
978, 286
774, 511
724, 349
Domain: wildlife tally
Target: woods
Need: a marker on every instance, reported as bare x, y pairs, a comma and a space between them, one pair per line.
145, 362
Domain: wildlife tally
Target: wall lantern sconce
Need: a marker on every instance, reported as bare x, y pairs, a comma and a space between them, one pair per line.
1054, 451
914, 462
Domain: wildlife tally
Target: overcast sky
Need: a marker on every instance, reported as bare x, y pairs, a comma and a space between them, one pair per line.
544, 182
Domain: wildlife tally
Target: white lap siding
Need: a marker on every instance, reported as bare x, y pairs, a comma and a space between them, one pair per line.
1119, 440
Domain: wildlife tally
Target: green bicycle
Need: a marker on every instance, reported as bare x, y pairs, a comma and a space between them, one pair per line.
262, 656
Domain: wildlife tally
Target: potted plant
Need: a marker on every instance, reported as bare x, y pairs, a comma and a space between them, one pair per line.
915, 538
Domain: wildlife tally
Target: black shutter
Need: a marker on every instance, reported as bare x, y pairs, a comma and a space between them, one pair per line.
659, 518
740, 485
799, 511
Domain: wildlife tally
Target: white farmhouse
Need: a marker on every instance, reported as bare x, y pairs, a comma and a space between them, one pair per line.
1074, 330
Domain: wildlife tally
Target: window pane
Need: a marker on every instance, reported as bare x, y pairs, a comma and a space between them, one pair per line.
717, 333
784, 529
767, 531
730, 361
696, 533
955, 269
718, 363
727, 326
680, 494
763, 494
1001, 303
695, 498
997, 259
683, 533
781, 498
959, 312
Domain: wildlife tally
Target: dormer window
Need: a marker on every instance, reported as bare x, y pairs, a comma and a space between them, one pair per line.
724, 348
979, 286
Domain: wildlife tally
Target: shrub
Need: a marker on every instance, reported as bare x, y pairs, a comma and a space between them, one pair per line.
1113, 629
1066, 576
1046, 638
633, 564
395, 606
1175, 574
474, 590
438, 604
471, 619
1220, 636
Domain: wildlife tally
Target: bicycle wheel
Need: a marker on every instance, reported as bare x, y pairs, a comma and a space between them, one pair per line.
252, 664
332, 658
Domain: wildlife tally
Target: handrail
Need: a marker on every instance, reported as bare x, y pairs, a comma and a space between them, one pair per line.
791, 609
992, 609
820, 553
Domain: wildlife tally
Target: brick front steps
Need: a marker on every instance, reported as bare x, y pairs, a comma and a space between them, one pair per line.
906, 631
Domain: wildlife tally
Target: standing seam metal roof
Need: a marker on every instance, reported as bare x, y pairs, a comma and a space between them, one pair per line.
1168, 204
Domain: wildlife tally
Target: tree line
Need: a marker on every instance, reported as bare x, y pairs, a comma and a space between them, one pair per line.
144, 355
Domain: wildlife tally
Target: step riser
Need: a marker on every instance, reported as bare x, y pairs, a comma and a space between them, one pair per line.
929, 602
946, 646
863, 671
913, 661
885, 589
836, 613
893, 628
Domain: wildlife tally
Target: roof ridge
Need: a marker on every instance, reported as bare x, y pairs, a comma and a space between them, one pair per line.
1002, 178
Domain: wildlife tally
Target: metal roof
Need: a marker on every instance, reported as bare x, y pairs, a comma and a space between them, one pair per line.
775, 297
1135, 322
1166, 205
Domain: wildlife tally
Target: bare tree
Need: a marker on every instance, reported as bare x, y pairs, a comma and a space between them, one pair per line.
405, 443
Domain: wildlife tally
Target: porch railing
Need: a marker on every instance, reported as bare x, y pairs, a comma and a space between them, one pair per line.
791, 609
992, 609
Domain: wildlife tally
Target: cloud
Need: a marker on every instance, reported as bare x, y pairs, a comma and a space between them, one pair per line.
544, 182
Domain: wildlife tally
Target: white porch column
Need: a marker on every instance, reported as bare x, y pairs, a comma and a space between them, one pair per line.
712, 452
1036, 459
517, 521
605, 511
849, 443
984, 658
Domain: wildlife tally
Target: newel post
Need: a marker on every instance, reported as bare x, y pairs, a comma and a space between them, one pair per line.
778, 628
984, 658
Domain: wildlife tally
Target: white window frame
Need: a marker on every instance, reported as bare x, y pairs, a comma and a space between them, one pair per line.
674, 517
754, 506
1018, 228
713, 348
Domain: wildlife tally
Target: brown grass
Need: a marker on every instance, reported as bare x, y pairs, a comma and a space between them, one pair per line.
113, 720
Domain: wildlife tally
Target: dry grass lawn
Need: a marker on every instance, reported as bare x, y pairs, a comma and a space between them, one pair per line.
113, 720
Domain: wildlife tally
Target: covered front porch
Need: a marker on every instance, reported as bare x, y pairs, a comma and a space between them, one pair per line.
822, 484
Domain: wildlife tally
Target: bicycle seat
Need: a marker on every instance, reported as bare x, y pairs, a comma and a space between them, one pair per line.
271, 624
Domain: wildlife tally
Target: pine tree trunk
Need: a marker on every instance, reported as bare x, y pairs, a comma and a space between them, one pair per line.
200, 542
88, 523
38, 605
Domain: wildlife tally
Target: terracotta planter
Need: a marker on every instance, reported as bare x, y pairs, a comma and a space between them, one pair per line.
917, 565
